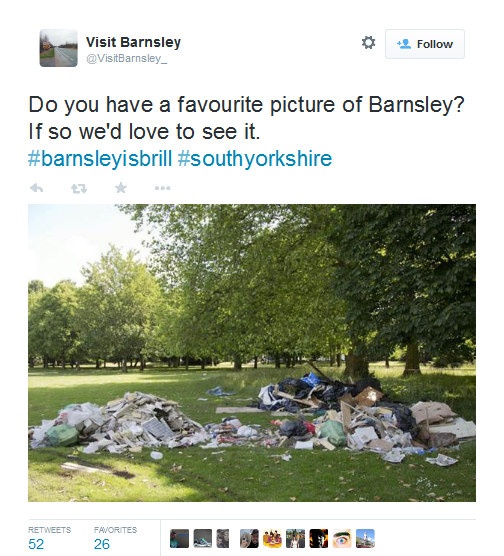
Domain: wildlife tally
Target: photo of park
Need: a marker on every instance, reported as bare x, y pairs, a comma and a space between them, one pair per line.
252, 353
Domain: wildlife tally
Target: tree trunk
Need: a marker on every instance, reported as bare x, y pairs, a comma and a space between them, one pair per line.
237, 362
412, 366
277, 360
356, 366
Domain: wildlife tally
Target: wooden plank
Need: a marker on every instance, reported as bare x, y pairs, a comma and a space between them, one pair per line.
239, 410
310, 403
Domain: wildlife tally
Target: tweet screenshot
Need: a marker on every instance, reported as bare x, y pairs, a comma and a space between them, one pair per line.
242, 278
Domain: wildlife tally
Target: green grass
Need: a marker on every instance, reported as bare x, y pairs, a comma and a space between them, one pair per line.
47, 53
241, 473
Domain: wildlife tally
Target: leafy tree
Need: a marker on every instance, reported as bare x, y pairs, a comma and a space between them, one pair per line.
250, 279
51, 323
407, 275
117, 313
36, 287
36, 290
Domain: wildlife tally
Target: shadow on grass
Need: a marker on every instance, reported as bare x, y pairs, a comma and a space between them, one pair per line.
243, 474
237, 473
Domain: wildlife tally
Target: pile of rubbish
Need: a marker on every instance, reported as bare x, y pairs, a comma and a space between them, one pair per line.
314, 411
231, 432
311, 391
128, 423
360, 417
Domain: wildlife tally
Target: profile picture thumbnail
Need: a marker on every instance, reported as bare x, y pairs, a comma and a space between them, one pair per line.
272, 537
179, 538
58, 48
249, 538
342, 538
222, 538
319, 538
365, 538
203, 538
295, 538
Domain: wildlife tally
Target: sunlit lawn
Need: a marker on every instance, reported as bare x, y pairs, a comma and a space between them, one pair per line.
241, 473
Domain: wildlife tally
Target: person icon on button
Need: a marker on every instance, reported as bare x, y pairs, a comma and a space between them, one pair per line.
405, 44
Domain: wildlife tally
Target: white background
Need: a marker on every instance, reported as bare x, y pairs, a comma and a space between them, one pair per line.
267, 50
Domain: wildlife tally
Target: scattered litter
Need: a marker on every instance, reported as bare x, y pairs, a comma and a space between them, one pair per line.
232, 422
442, 460
218, 391
292, 428
62, 435
379, 445
393, 456
333, 431
245, 430
413, 450
326, 414
156, 427
89, 468
213, 444
363, 435
441, 439
304, 445
127, 423
324, 443
432, 412
359, 417
239, 410
368, 397
230, 431
71, 466
463, 430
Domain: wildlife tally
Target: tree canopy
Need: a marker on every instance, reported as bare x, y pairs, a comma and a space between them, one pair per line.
285, 282
408, 276
52, 332
112, 317
249, 280
287, 279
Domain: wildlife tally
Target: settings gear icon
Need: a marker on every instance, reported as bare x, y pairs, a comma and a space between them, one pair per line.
368, 42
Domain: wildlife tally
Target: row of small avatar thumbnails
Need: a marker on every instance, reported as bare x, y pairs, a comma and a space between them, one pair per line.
273, 538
